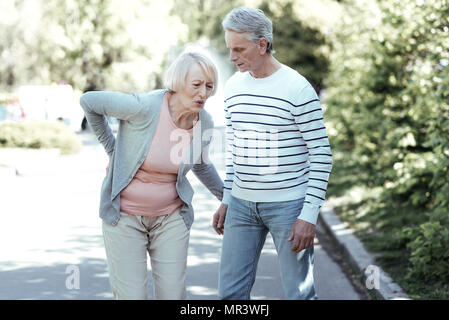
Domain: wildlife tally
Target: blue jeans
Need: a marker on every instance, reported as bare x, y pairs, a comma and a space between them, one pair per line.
246, 226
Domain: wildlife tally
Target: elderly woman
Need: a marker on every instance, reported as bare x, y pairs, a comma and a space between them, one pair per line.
146, 199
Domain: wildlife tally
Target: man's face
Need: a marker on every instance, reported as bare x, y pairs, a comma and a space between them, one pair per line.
244, 53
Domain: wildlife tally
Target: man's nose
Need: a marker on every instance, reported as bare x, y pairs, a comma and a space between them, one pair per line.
232, 57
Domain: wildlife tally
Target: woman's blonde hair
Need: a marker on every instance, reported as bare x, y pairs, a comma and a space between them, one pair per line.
176, 74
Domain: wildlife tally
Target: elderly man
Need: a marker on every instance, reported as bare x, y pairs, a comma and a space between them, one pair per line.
278, 163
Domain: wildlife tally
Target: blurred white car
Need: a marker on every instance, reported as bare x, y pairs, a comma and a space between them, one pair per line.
51, 102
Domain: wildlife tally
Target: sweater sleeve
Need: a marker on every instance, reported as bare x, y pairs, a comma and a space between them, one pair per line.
308, 116
229, 178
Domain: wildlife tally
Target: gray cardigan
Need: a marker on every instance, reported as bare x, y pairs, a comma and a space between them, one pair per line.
138, 115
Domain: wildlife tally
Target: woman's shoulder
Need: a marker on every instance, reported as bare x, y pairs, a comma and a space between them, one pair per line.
152, 98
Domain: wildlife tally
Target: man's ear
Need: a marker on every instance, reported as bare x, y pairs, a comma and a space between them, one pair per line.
263, 45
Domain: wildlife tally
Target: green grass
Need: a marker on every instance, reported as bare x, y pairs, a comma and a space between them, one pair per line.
381, 223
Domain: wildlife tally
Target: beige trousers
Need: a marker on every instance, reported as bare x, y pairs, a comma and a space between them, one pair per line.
166, 240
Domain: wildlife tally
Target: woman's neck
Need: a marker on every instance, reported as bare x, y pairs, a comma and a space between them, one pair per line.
180, 114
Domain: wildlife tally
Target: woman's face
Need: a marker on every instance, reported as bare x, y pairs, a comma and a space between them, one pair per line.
197, 89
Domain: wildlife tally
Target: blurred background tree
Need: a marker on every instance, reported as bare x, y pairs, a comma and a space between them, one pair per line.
19, 22
203, 18
84, 38
117, 45
389, 117
88, 44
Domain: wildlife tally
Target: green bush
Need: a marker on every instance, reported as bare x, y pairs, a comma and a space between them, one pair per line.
430, 250
388, 110
38, 135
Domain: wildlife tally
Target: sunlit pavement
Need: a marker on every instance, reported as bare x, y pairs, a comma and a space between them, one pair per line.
50, 235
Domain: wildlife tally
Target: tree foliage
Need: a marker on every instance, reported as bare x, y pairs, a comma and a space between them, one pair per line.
88, 44
388, 108
203, 18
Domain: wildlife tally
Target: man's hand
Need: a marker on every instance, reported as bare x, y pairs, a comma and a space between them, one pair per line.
302, 235
219, 218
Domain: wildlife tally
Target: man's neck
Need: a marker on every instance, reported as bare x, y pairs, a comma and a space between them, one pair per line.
269, 66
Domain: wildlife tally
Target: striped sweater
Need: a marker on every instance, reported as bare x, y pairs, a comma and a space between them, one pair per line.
277, 145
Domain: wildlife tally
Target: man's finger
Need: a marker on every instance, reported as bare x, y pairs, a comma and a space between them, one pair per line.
291, 236
306, 243
215, 223
221, 219
218, 222
310, 243
296, 242
298, 249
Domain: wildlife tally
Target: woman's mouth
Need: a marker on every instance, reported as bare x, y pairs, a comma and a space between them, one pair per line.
199, 103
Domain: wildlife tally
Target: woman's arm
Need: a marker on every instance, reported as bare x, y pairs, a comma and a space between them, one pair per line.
205, 171
98, 105
208, 175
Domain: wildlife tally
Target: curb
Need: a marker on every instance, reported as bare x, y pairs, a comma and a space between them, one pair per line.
363, 262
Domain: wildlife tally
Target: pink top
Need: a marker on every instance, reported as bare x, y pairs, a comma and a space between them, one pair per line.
152, 192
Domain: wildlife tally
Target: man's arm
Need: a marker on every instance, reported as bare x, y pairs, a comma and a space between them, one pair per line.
308, 116
229, 135
220, 216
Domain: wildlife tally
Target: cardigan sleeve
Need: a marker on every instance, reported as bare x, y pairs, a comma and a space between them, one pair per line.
205, 170
208, 175
98, 105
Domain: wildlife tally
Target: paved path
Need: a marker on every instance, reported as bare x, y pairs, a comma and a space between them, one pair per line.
50, 231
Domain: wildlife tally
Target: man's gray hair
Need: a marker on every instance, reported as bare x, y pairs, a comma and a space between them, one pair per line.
253, 21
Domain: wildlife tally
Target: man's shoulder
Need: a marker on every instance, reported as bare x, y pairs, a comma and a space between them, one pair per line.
295, 79
235, 83
236, 77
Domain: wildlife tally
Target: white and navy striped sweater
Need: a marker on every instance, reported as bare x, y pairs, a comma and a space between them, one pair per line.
277, 145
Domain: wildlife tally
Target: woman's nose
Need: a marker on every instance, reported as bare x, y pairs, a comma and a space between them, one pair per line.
202, 91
